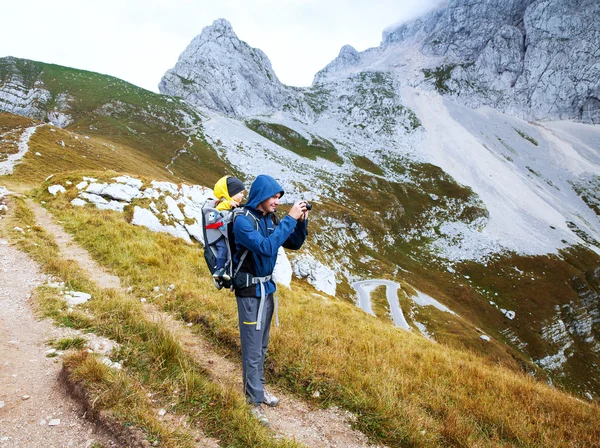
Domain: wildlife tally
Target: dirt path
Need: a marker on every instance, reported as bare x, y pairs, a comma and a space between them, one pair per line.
293, 418
32, 400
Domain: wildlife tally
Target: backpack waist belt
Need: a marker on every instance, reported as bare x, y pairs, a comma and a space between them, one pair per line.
261, 282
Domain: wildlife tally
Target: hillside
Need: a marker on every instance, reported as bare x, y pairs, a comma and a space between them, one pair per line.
489, 214
163, 134
478, 201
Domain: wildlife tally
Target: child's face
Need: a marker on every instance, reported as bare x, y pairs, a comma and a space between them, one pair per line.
238, 197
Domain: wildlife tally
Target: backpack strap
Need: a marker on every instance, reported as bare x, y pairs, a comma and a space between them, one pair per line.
245, 253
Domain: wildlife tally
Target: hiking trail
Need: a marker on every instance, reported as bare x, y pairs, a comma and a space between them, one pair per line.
293, 418
35, 410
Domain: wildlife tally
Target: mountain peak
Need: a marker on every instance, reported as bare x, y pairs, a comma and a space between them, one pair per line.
348, 57
221, 72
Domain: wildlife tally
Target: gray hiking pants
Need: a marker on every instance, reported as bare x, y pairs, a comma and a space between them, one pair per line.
254, 345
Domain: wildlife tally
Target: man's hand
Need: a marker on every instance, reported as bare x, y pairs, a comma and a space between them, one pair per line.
298, 211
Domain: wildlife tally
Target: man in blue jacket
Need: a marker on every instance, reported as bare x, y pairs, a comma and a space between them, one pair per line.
258, 236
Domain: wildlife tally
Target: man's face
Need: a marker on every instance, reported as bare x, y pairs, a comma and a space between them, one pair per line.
269, 205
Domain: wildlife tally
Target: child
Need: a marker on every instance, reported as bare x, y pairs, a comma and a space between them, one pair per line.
229, 191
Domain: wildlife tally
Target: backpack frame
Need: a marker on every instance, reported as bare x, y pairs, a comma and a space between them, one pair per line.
217, 225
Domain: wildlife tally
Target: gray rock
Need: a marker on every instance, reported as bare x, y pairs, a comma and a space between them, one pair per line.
219, 71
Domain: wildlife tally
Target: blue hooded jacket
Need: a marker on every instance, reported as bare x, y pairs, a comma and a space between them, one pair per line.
264, 243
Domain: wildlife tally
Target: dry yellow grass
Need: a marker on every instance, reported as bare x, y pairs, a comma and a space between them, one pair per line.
406, 391
154, 360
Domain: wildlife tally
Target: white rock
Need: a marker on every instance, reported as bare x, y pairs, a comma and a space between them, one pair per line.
76, 297
113, 205
107, 362
317, 274
50, 351
81, 185
144, 217
166, 187
162, 412
54, 422
2, 404
173, 208
485, 338
95, 188
25, 397
121, 192
131, 181
55, 189
90, 179
78, 202
143, 300
195, 231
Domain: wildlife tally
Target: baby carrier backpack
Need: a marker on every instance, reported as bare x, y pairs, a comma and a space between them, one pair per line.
217, 225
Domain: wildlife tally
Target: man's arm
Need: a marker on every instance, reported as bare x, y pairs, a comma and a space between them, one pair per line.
296, 239
253, 240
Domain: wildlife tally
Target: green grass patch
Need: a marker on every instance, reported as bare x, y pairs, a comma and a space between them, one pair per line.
140, 125
366, 164
531, 140
76, 343
295, 142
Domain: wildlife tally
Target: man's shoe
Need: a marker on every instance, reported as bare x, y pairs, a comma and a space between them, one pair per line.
270, 399
259, 413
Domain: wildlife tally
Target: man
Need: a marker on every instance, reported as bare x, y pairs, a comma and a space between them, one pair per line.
258, 237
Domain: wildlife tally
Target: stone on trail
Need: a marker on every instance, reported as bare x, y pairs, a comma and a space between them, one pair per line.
76, 297
54, 422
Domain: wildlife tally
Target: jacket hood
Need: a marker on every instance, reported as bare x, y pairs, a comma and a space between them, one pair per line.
221, 189
263, 187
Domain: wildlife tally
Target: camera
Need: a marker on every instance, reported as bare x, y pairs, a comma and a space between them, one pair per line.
308, 206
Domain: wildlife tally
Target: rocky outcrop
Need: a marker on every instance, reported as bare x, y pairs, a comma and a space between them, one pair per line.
221, 72
22, 92
537, 59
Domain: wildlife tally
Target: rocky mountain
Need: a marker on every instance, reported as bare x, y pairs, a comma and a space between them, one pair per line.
167, 131
426, 133
534, 59
222, 73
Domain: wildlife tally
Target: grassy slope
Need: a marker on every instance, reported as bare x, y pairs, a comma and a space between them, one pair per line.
146, 124
155, 363
290, 139
404, 389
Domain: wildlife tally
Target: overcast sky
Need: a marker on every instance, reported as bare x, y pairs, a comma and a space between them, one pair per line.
138, 41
